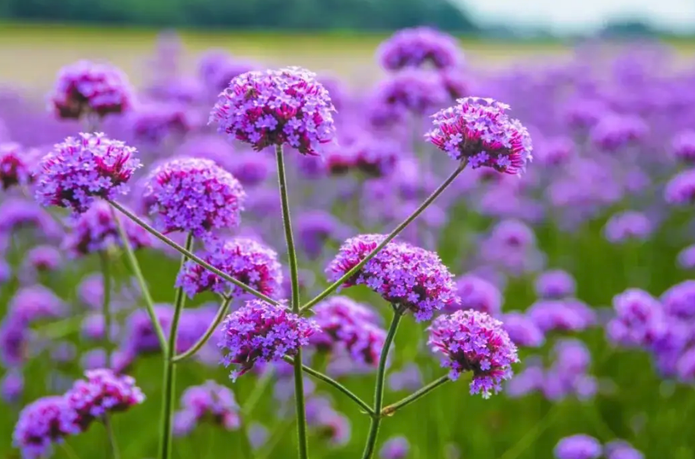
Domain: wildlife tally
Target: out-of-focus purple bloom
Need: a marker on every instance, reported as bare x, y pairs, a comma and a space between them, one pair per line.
409, 378
41, 423
680, 190
315, 229
90, 292
244, 259
477, 294
555, 284
210, 63
261, 332
620, 449
14, 335
529, 380
276, 107
395, 448
84, 167
332, 425
578, 447
258, 435
251, 168
140, 337
20, 214
613, 131
683, 145
478, 131
12, 386
410, 91
194, 195
685, 367
227, 70
211, 147
455, 83
208, 402
679, 300
63, 352
5, 272
584, 112
522, 330
154, 122
374, 156
402, 274
569, 314
86, 88
15, 165
35, 303
639, 319
686, 257
43, 258
336, 88
474, 341
511, 247
628, 225
555, 151
419, 46
95, 359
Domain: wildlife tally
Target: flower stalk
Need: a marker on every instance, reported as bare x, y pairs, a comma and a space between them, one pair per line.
391, 409
221, 312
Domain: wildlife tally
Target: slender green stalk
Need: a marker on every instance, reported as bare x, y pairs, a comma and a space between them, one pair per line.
294, 278
105, 309
247, 410
111, 436
426, 203
389, 410
135, 267
165, 440
221, 312
379, 386
327, 379
190, 255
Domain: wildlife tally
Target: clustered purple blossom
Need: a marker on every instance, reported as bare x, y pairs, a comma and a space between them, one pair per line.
680, 190
153, 123
246, 260
684, 146
474, 341
628, 225
262, 332
404, 275
276, 107
15, 165
578, 447
522, 330
395, 448
409, 92
478, 130
417, 47
208, 402
568, 314
477, 294
194, 195
568, 375
639, 319
82, 168
43, 422
329, 423
555, 284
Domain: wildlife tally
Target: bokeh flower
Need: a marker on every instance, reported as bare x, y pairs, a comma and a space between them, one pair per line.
42, 423
578, 447
419, 46
208, 402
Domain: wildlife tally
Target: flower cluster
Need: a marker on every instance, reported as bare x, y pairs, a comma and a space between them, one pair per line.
639, 319
578, 447
474, 341
555, 284
404, 275
565, 315
15, 165
153, 123
411, 91
276, 107
419, 46
46, 421
84, 167
478, 294
208, 402
479, 131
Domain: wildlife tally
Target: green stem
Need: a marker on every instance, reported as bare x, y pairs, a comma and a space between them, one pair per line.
389, 410
135, 267
294, 278
111, 436
379, 387
169, 368
435, 194
327, 379
221, 312
190, 255
105, 309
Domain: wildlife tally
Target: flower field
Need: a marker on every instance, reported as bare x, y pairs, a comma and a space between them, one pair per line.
408, 247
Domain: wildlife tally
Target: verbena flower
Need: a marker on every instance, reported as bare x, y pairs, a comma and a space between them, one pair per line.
276, 107
639, 319
208, 402
261, 332
683, 146
15, 165
395, 448
43, 258
14, 336
680, 190
679, 300
374, 156
568, 375
330, 424
84, 167
140, 337
555, 284
42, 423
86, 87
29, 217
478, 294
620, 449
408, 378
564, 315
409, 92
347, 324
404, 275
474, 341
555, 151
153, 123
479, 131
95, 230
578, 447
613, 131
250, 168
686, 257
419, 46
194, 195
522, 330
12, 386
243, 259
315, 229
35, 303
628, 225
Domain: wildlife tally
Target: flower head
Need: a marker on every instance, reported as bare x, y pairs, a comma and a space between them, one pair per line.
395, 448
679, 300
680, 190
555, 284
639, 319
194, 195
209, 402
244, 259
15, 164
578, 447
411, 91
276, 107
35, 303
474, 341
41, 423
628, 225
684, 146
419, 46
620, 449
479, 131
153, 123
402, 274
261, 332
84, 167
566, 315
86, 87
522, 330
478, 294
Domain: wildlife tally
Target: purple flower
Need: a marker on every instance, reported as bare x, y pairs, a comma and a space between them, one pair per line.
395, 448
411, 91
5, 272
351, 326
620, 449
85, 87
14, 335
686, 257
102, 392
22, 215
565, 315
683, 145
474, 341
84, 167
402, 274
153, 123
243, 259
43, 258
680, 190
227, 70
194, 195
555, 284
613, 131
261, 332
258, 435
12, 386
679, 300
628, 225
478, 130
276, 107
35, 303
95, 230
639, 319
15, 165
685, 367
315, 228
409, 378
419, 46
578, 447
209, 402
250, 168
140, 337
41, 423
477, 294
555, 151
331, 425
374, 156
522, 330
94, 359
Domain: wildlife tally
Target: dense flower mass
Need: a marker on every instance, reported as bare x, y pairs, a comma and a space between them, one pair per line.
479, 131
261, 332
411, 91
15, 165
244, 259
43, 422
84, 167
578, 447
639, 319
419, 46
474, 341
155, 122
680, 190
194, 195
478, 294
86, 88
564, 315
208, 402
555, 284
404, 275
276, 107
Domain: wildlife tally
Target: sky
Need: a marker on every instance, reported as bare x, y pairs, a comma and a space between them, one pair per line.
583, 15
